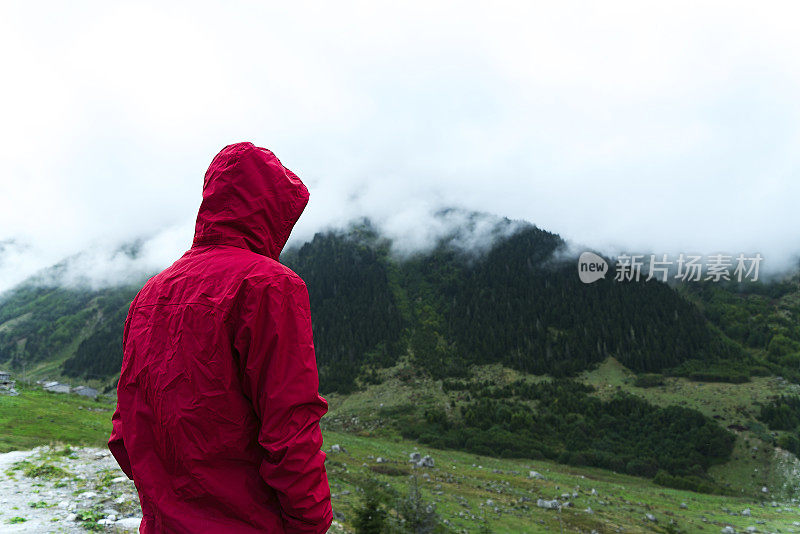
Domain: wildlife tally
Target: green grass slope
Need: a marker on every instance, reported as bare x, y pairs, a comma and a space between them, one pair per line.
467, 492
38, 417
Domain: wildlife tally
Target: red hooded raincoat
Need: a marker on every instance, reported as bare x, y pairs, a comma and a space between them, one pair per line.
218, 412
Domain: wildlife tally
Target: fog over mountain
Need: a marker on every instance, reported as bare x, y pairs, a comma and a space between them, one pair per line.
621, 127
109, 263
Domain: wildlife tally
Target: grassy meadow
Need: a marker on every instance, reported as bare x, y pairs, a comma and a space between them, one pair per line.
468, 492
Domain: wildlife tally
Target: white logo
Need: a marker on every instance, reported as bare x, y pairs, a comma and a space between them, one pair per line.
591, 267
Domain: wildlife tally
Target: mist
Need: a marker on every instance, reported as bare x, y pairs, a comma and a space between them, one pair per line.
623, 128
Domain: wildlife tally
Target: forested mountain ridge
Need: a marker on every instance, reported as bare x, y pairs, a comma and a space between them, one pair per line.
518, 302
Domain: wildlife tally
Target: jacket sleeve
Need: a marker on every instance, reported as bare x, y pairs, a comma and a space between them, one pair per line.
275, 345
116, 443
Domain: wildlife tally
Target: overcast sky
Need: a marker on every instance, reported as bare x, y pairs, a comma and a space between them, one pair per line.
626, 126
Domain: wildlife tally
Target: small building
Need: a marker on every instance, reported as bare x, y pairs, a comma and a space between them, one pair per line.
86, 391
7, 384
56, 387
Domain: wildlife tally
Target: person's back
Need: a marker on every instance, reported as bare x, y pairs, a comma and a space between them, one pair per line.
217, 421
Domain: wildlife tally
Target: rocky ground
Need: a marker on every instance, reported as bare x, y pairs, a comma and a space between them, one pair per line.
69, 490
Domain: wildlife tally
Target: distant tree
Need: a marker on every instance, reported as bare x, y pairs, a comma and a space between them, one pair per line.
371, 516
415, 515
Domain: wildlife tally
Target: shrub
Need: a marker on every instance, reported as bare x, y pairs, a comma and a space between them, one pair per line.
649, 381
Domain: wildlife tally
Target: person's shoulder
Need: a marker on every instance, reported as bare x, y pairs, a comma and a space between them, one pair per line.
266, 271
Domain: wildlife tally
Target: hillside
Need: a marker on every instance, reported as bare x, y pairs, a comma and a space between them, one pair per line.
489, 343
65, 488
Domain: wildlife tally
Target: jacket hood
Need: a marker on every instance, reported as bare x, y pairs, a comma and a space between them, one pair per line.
250, 200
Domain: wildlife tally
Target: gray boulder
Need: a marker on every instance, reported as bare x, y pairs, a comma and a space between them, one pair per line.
549, 505
425, 461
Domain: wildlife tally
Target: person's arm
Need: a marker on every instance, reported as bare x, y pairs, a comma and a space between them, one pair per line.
116, 443
279, 371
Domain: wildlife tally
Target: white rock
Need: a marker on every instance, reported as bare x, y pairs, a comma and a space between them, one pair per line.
117, 480
128, 523
535, 474
650, 517
550, 505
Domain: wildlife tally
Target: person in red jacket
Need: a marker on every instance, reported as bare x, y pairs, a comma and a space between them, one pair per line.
217, 419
